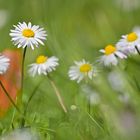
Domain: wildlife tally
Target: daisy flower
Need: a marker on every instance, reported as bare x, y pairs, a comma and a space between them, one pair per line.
130, 43
4, 64
28, 35
20, 134
43, 65
81, 70
110, 55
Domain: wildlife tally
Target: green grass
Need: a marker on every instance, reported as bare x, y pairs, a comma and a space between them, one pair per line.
77, 29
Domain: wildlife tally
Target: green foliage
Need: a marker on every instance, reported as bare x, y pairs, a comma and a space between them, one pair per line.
77, 29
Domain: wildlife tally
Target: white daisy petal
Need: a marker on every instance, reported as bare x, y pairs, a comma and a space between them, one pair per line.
43, 65
102, 51
4, 64
27, 35
81, 70
120, 55
29, 25
111, 55
128, 43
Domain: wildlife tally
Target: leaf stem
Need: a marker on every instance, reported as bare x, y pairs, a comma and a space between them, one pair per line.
29, 100
137, 50
9, 97
22, 71
57, 94
19, 98
95, 122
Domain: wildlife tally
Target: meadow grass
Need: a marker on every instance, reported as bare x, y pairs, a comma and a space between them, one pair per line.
77, 29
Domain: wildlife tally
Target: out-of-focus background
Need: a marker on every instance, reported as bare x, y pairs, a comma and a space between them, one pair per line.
107, 108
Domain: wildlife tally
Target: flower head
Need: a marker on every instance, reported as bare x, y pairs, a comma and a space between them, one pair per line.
20, 134
27, 35
73, 107
81, 70
111, 55
4, 64
129, 43
43, 65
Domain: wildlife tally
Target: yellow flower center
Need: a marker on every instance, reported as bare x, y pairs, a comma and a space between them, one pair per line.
41, 59
85, 68
28, 33
132, 37
109, 49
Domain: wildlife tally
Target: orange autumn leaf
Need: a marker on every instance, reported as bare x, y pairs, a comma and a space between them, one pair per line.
11, 80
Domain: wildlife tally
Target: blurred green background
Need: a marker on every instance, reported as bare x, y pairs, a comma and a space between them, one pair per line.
108, 108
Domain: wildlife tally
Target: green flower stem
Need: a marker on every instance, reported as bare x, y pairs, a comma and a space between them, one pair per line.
19, 100
89, 105
28, 102
94, 121
9, 97
137, 50
22, 71
57, 94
